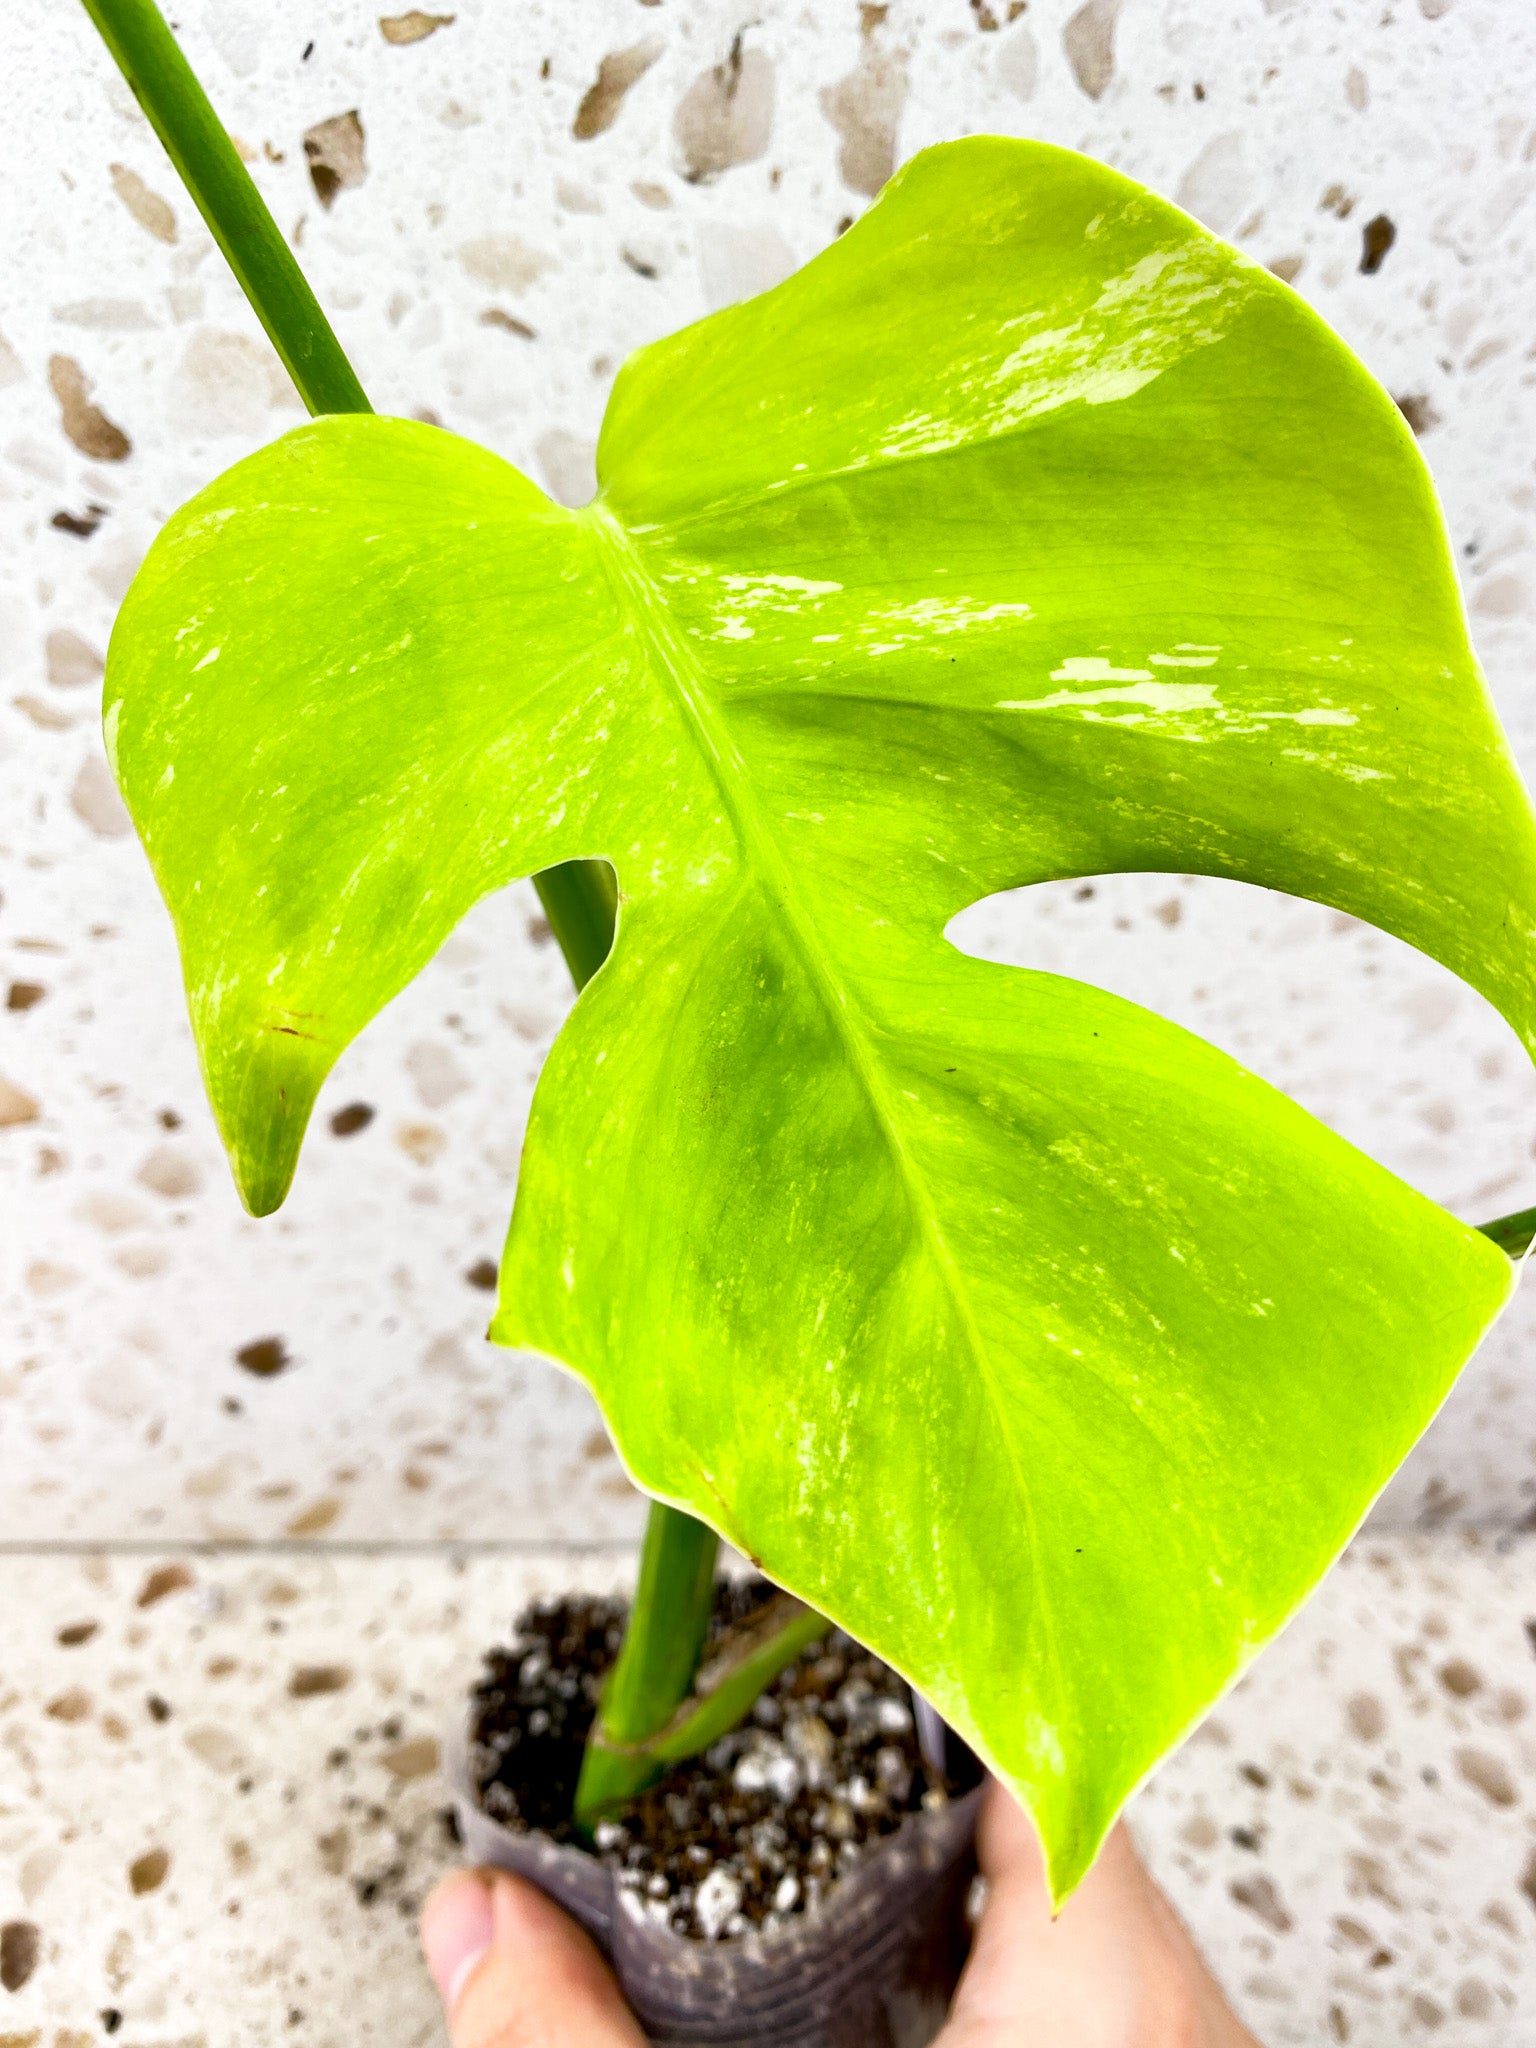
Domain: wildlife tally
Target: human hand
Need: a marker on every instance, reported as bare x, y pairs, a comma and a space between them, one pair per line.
1115, 1970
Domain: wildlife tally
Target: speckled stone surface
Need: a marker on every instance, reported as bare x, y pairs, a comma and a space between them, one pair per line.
502, 229
1351, 1835
220, 1805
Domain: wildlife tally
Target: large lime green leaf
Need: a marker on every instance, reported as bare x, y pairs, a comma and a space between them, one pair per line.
1028, 532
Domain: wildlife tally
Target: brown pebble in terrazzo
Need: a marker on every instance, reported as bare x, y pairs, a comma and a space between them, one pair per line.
20, 1944
413, 27
1368, 1874
1261, 1898
81, 524
865, 108
1089, 41
1488, 1775
336, 153
1474, 2001
73, 1705
162, 1581
1200, 1832
417, 1758
152, 213
75, 1633
1352, 1931
146, 1873
264, 1357
86, 425
482, 1274
16, 1105
1425, 2010
311, 1679
169, 1173
95, 801
24, 995
357, 1116
73, 663
159, 1709
1417, 411
1459, 1679
509, 323
726, 116
1376, 238
316, 1518
334, 1849
616, 73
1366, 1716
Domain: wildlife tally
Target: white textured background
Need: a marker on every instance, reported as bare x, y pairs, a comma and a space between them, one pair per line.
130, 1277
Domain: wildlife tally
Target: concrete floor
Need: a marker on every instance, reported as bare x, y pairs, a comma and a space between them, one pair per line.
220, 1803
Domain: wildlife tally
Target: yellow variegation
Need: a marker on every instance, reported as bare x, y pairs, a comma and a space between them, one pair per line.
1028, 532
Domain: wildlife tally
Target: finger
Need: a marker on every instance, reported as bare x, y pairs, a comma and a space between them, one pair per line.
1115, 1969
514, 1971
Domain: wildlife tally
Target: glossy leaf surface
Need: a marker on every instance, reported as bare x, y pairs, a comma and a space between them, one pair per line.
1027, 532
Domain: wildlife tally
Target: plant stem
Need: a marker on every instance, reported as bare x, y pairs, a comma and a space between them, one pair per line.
667, 1620
1512, 1234
676, 1591
224, 193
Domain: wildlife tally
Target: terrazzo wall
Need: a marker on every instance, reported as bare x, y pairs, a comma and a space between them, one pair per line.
495, 207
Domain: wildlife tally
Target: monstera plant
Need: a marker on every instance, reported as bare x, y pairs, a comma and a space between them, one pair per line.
1028, 532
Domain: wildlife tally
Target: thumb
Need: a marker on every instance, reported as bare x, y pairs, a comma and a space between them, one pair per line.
514, 1971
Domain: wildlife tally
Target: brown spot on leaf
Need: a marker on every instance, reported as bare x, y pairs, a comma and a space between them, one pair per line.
20, 1945
312, 1679
865, 108
148, 208
16, 1105
146, 1873
76, 1633
417, 1758
164, 1580
413, 27
726, 116
1376, 238
1488, 1775
86, 425
1260, 1897
617, 72
72, 661
265, 1357
336, 153
1089, 41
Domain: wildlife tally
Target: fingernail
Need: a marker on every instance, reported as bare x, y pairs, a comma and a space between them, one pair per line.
456, 1930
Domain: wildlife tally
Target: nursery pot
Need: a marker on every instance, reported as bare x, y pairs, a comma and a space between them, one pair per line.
871, 1966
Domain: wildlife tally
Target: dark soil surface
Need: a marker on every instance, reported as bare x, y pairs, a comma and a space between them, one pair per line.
758, 1828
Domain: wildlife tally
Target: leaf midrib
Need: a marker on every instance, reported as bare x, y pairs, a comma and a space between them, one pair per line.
684, 679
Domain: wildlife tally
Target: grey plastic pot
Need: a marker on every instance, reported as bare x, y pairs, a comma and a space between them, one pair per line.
873, 1967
